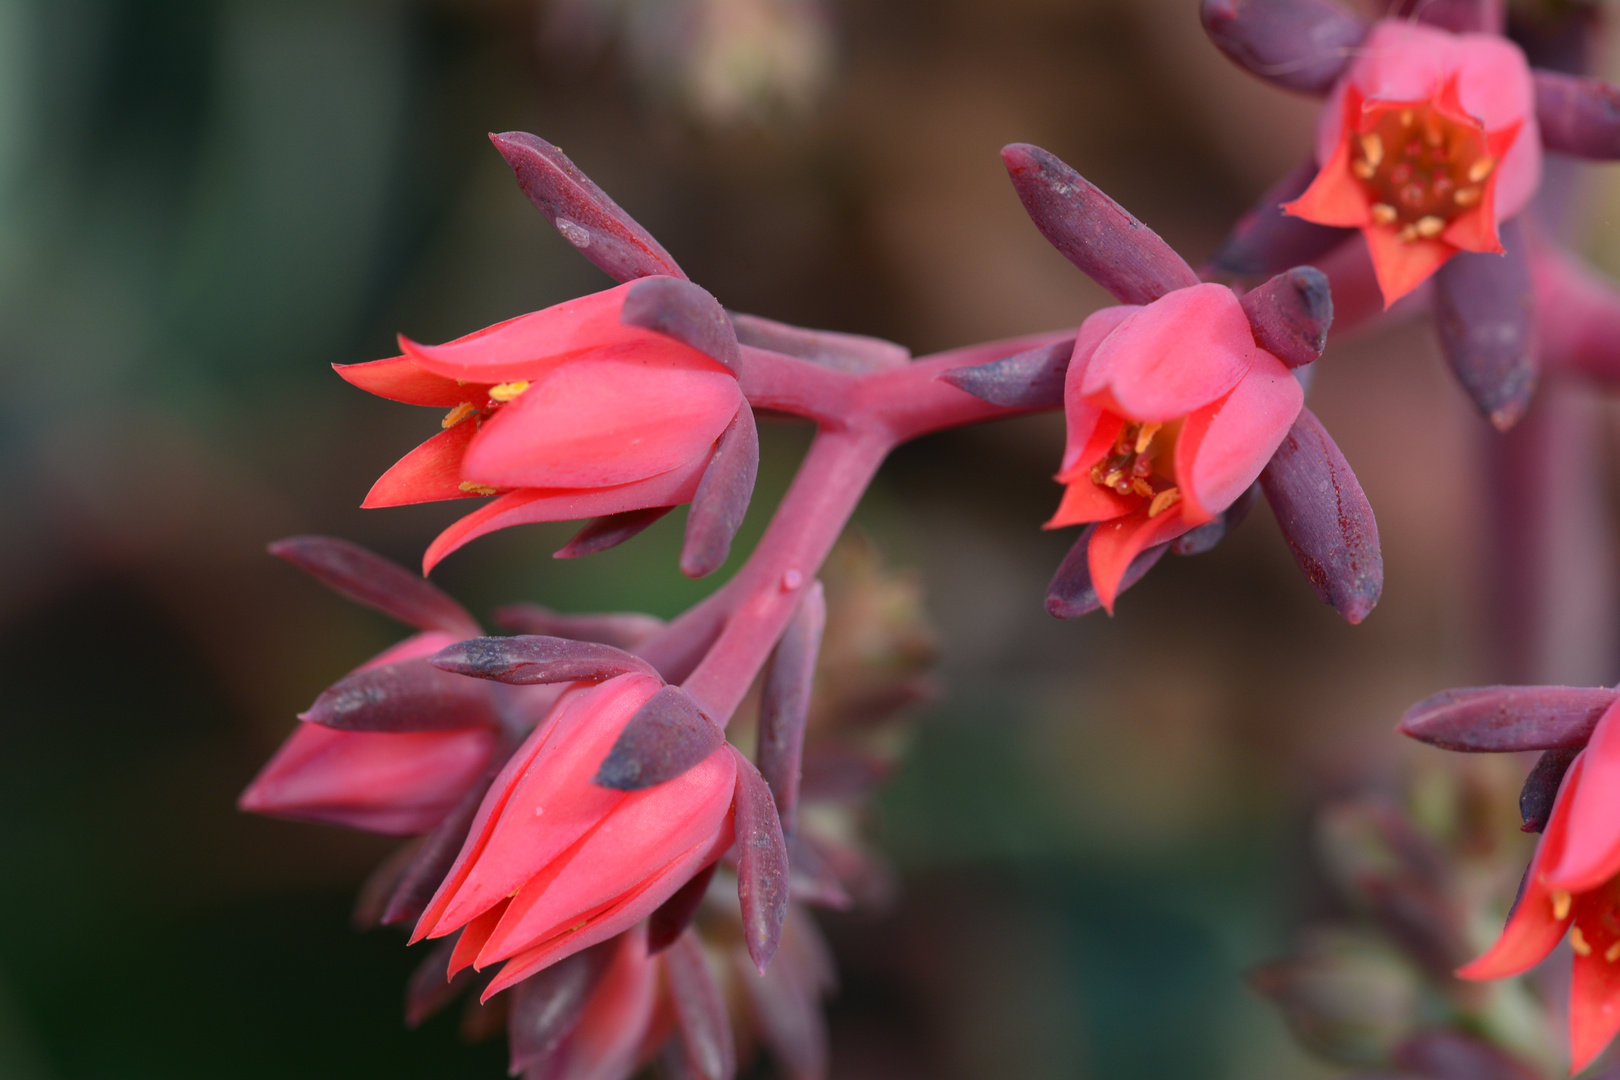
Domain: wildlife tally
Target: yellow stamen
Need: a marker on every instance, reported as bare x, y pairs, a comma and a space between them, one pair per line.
1578, 942
1383, 214
506, 391
1467, 196
1144, 437
1406, 118
1142, 488
458, 414
1560, 901
476, 489
1372, 148
1363, 169
1612, 953
1480, 169
1409, 233
1430, 227
1163, 501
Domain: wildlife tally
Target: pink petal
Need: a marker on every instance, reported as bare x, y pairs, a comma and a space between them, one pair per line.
1591, 855
1594, 1004
1116, 543
1224, 446
427, 474
1174, 355
1080, 415
401, 379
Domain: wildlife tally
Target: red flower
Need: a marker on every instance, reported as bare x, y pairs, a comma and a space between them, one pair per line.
1428, 141
1573, 886
554, 862
1173, 410
564, 413
396, 783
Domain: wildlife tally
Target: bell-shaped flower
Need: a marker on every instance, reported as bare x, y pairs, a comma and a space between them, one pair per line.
566, 413
555, 862
1173, 410
1573, 888
1427, 142
399, 783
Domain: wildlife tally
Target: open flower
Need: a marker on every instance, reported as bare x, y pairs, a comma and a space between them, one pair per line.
1428, 141
1173, 411
554, 862
563, 413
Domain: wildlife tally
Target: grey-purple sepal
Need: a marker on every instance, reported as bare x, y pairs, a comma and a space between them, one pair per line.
812, 878
547, 1006
1092, 231
1300, 45
1577, 115
1458, 16
600, 534
428, 990
784, 705
854, 353
527, 659
763, 874
1493, 719
1032, 379
367, 578
701, 1020
686, 312
671, 918
786, 1001
621, 629
668, 735
1290, 315
1267, 241
581, 211
1485, 314
1541, 787
410, 695
434, 857
1072, 593
1326, 519
722, 497
1448, 1054
1206, 536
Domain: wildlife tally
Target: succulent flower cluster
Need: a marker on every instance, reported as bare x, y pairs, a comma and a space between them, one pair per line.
622, 873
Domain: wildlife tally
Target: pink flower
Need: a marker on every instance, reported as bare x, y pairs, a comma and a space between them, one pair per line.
1428, 142
396, 783
563, 413
1573, 886
555, 863
1173, 411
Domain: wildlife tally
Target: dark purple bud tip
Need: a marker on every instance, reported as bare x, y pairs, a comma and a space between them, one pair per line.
1267, 241
763, 873
722, 497
1290, 315
531, 659
1072, 594
609, 532
1300, 45
581, 211
667, 736
1485, 314
1093, 231
1578, 116
1206, 536
370, 579
1326, 519
1494, 719
685, 312
854, 353
1541, 787
1026, 380
407, 696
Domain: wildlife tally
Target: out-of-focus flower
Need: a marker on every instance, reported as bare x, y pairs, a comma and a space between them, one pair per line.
1173, 410
1427, 142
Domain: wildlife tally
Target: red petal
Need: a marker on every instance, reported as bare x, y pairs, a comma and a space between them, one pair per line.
1224, 446
427, 474
1402, 265
1591, 854
1085, 501
1116, 543
1334, 197
472, 938
1594, 1004
402, 379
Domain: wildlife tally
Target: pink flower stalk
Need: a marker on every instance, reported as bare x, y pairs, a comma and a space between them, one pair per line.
1573, 888
399, 783
1427, 142
563, 413
1173, 410
554, 862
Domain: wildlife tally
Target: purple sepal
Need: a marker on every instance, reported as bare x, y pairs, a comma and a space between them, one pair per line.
372, 901
1458, 16
1485, 313
547, 1005
1093, 231
674, 915
1578, 116
1448, 1054
834, 774
435, 856
1492, 719
1301, 45
1541, 787
370, 579
700, 1012
762, 864
1206, 536
1290, 315
686, 312
603, 533
581, 211
429, 989
411, 695
1026, 380
786, 1007
667, 736
1267, 241
1326, 519
621, 629
813, 880
854, 353
785, 702
1071, 593
722, 497
532, 658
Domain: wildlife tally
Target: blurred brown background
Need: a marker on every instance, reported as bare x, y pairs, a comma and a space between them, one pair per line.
204, 204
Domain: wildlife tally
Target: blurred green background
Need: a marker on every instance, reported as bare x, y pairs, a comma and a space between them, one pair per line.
204, 204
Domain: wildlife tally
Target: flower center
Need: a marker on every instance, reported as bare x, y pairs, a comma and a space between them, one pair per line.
1141, 464
1422, 167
